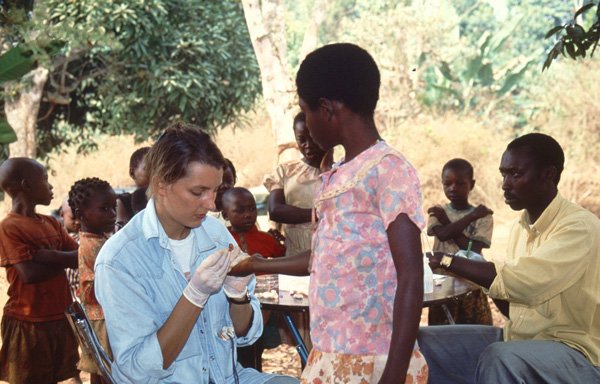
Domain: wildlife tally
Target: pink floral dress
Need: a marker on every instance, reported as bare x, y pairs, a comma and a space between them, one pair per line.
353, 278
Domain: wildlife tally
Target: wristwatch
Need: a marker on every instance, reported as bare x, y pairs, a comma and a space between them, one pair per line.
446, 260
245, 299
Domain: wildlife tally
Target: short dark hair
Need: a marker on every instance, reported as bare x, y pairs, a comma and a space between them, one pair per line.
299, 118
235, 192
229, 164
178, 146
136, 158
81, 192
460, 165
342, 72
544, 149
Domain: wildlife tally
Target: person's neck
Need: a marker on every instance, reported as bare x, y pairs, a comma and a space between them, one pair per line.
536, 211
460, 206
240, 231
360, 135
23, 207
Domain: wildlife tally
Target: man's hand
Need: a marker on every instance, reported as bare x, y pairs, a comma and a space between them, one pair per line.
439, 213
208, 278
434, 259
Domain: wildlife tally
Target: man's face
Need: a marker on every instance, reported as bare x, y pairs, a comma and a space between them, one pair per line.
522, 180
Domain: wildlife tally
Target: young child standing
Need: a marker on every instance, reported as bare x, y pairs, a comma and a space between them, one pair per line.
72, 226
239, 207
458, 225
93, 203
38, 345
366, 283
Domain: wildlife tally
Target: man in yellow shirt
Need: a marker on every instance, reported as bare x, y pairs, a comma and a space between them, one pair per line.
548, 287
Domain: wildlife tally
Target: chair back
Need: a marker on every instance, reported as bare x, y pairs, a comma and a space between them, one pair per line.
87, 339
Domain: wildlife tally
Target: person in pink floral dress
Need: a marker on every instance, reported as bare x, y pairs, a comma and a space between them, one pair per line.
366, 286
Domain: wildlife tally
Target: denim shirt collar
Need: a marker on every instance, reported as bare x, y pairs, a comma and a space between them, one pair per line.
152, 228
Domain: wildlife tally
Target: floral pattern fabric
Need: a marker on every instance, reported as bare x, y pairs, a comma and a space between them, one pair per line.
353, 277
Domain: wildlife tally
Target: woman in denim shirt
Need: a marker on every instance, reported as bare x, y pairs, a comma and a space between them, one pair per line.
172, 313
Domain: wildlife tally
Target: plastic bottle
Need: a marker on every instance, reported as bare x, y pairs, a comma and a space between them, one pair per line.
427, 276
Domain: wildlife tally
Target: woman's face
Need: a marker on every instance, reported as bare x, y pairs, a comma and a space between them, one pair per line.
183, 204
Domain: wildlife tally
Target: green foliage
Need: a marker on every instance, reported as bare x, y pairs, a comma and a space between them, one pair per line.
135, 66
575, 41
476, 81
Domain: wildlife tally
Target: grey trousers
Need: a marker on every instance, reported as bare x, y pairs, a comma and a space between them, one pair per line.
476, 354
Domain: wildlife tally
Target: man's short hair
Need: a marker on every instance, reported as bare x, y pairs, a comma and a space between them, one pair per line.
342, 72
545, 151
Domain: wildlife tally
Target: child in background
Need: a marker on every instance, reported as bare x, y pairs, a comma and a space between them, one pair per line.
456, 226
229, 180
38, 345
239, 207
93, 202
137, 171
128, 204
72, 226
292, 189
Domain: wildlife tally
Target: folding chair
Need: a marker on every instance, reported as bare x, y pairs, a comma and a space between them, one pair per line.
87, 339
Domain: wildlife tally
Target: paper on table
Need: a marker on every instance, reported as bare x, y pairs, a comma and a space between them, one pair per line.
294, 283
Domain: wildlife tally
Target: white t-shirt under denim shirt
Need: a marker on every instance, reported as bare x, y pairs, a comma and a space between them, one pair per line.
138, 284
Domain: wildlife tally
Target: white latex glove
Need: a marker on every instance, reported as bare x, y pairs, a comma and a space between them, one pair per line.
236, 287
208, 278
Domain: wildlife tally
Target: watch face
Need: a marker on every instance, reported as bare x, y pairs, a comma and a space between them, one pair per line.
446, 260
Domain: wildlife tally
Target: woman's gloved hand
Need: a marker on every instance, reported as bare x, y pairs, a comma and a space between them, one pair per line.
208, 278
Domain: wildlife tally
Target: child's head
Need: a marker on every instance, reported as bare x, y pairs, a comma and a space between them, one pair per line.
229, 180
94, 204
26, 179
239, 207
332, 75
137, 167
309, 149
457, 180
70, 223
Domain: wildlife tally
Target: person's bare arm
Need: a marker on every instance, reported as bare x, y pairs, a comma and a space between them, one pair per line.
481, 273
32, 272
281, 212
175, 332
405, 245
296, 265
454, 230
64, 259
241, 316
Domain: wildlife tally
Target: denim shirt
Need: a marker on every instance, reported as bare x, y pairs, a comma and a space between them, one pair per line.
138, 283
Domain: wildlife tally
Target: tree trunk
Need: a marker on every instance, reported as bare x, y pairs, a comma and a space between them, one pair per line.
265, 20
22, 114
267, 32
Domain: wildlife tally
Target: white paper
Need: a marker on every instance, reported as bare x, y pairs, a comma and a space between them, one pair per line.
294, 283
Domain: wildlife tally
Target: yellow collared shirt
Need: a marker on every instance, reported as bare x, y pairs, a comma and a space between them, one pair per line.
552, 278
